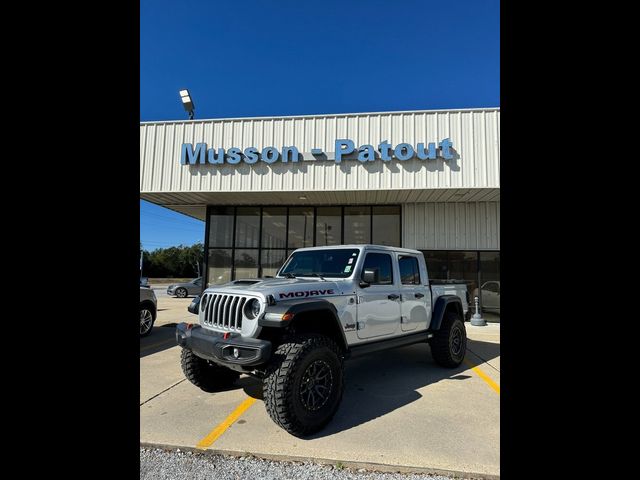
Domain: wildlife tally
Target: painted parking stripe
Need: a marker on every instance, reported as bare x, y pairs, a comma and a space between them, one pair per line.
226, 423
483, 376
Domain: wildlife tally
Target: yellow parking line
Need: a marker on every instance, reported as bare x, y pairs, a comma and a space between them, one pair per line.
226, 423
483, 376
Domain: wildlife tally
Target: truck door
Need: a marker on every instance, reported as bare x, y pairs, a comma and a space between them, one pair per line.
415, 295
379, 303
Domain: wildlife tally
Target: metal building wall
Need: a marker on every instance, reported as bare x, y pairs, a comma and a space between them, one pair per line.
451, 226
475, 135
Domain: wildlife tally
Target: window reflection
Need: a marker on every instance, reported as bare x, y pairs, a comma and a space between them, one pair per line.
329, 226
357, 225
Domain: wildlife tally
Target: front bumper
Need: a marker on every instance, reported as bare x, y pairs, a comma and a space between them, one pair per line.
213, 346
170, 291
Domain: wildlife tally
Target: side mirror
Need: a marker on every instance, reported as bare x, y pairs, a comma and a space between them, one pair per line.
194, 305
369, 276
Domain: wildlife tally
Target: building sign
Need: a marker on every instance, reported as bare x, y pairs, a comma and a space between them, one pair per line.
345, 149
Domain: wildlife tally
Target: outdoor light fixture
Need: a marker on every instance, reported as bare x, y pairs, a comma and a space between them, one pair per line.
302, 197
187, 102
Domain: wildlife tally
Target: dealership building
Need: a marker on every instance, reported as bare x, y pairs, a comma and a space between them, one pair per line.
428, 180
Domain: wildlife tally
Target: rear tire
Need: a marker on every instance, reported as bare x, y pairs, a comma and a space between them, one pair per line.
207, 376
303, 385
449, 344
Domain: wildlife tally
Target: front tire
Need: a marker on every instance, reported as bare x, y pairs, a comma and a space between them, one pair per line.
303, 385
449, 344
181, 293
206, 375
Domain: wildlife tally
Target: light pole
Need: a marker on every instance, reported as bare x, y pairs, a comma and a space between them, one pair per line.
187, 103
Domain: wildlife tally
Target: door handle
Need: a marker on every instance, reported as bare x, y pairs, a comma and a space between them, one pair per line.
419, 295
393, 296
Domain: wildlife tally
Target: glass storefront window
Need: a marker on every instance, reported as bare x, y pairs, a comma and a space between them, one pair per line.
247, 227
300, 227
219, 266
221, 227
271, 261
246, 263
437, 267
490, 284
357, 225
464, 266
274, 227
386, 226
329, 226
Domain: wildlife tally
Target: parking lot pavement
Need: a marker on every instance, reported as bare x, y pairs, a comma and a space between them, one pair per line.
399, 408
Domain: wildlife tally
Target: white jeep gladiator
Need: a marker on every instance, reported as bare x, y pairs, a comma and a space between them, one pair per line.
325, 305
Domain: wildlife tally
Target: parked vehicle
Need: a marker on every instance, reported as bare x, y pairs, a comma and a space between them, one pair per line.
490, 296
325, 305
148, 310
182, 290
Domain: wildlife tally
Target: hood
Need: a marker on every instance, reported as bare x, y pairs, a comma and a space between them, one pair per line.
283, 289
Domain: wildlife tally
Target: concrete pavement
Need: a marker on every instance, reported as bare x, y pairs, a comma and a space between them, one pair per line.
398, 409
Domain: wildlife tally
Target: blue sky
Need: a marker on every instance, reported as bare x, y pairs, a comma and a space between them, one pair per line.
281, 57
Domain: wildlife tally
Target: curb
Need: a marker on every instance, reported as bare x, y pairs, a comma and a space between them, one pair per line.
369, 466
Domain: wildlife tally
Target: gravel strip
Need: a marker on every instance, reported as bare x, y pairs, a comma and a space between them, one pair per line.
175, 465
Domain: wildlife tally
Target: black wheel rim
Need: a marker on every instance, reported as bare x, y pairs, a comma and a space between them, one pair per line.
456, 341
316, 385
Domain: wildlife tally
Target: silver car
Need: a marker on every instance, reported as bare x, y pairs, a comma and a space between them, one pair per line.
148, 310
182, 290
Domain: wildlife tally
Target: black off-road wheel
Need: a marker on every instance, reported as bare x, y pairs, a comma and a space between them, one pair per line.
206, 375
303, 385
449, 344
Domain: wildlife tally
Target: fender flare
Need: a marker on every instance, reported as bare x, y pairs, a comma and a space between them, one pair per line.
443, 303
274, 313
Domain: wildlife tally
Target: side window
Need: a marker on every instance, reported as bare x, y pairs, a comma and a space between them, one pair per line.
197, 282
380, 263
409, 270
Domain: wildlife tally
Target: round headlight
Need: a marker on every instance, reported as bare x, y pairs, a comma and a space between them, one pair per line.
252, 309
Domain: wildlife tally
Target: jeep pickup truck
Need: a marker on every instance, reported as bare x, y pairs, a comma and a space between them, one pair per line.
324, 306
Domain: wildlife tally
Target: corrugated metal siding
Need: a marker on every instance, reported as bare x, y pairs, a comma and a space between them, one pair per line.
474, 133
451, 226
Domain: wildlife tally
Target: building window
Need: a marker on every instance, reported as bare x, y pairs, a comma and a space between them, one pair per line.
247, 227
479, 270
219, 266
221, 227
329, 226
246, 242
357, 225
246, 263
271, 261
274, 227
386, 226
300, 227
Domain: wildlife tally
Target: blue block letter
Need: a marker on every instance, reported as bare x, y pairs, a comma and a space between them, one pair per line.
191, 156
349, 148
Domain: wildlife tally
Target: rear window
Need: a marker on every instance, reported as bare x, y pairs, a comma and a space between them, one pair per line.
409, 270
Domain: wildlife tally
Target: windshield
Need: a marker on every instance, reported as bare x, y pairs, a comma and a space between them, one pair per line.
321, 263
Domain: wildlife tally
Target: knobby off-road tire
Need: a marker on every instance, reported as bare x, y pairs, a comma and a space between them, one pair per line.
449, 344
205, 375
303, 385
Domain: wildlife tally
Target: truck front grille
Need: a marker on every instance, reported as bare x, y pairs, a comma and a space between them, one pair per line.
224, 311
